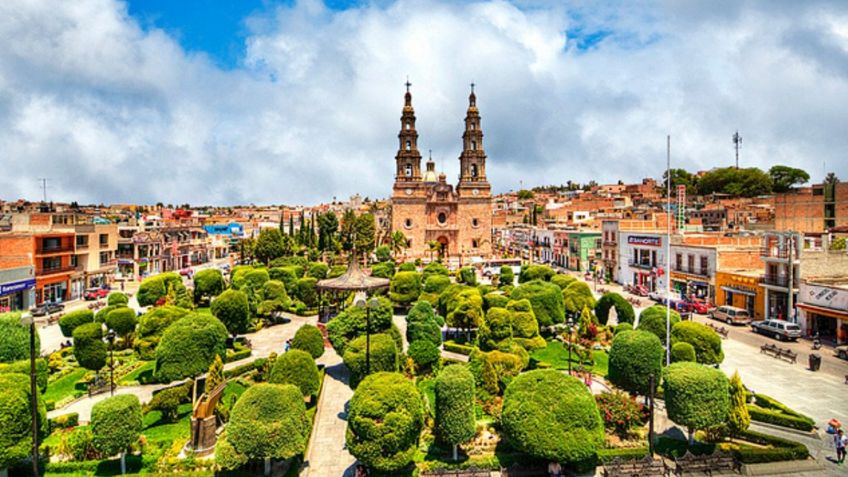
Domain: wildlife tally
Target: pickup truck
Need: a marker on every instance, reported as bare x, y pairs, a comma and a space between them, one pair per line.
778, 329
47, 309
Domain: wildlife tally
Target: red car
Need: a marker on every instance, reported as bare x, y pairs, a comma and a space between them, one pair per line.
96, 293
700, 307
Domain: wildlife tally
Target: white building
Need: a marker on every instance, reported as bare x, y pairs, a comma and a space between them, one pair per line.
642, 259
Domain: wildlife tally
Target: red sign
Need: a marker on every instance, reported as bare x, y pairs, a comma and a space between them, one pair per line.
642, 240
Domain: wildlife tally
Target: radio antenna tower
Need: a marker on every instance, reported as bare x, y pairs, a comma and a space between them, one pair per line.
43, 181
737, 141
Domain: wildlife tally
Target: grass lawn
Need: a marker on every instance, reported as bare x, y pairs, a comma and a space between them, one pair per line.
145, 369
556, 355
203, 310
64, 386
157, 430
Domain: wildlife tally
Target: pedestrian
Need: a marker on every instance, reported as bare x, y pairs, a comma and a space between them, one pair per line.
840, 440
287, 347
554, 469
122, 285
360, 471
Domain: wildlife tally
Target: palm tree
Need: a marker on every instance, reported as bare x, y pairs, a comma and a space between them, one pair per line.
434, 246
397, 242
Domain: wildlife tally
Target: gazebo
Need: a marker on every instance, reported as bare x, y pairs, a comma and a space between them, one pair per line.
353, 280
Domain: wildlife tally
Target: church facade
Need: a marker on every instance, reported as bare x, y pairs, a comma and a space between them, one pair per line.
437, 218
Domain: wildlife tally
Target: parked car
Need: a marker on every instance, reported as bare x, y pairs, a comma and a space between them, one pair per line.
730, 315
779, 329
186, 272
47, 308
700, 307
96, 293
841, 351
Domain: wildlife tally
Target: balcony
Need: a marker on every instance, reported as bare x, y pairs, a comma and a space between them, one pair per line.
701, 272
643, 264
44, 272
64, 248
776, 280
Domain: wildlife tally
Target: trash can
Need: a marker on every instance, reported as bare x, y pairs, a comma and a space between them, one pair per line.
815, 361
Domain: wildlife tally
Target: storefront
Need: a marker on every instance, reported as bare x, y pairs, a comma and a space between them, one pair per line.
823, 310
642, 260
740, 289
686, 286
16, 294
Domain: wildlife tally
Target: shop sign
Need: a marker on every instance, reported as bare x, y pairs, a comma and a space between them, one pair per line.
643, 240
13, 287
823, 296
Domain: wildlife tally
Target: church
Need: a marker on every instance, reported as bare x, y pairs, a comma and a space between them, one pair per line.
436, 218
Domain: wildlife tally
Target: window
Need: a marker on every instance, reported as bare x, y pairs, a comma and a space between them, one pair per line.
690, 262
74, 260
51, 263
475, 223
82, 241
408, 145
52, 243
408, 170
473, 170
442, 217
104, 240
408, 126
407, 223
473, 145
408, 243
678, 259
104, 258
474, 243
473, 126
704, 265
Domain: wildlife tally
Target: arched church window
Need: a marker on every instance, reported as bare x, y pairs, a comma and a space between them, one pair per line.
474, 243
408, 170
473, 145
473, 170
408, 223
408, 145
442, 217
408, 126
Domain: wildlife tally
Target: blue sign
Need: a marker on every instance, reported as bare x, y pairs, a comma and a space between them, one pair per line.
8, 288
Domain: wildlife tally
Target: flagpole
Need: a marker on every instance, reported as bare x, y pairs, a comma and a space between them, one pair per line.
668, 254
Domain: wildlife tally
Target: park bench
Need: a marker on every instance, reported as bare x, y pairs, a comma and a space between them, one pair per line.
524, 470
648, 466
776, 352
769, 349
99, 386
706, 464
722, 331
788, 354
470, 472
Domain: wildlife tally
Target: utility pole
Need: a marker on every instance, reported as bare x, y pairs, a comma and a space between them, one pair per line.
668, 254
790, 240
737, 141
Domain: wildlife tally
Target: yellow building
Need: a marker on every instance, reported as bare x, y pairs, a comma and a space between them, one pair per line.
741, 288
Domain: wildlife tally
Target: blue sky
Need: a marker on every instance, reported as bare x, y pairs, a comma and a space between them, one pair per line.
213, 102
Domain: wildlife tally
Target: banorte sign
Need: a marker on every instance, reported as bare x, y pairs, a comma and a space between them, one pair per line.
643, 240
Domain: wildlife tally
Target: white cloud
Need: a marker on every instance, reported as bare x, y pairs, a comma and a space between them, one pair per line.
113, 113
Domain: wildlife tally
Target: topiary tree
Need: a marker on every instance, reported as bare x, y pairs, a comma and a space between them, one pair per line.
506, 276
696, 396
436, 283
405, 287
309, 338
318, 270
704, 340
384, 357
424, 354
89, 348
407, 267
421, 324
652, 319
525, 329
297, 367
233, 309
623, 327
738, 418
545, 298
383, 270
467, 275
552, 416
69, 321
682, 351
123, 321
435, 268
208, 283
633, 357
215, 374
623, 309
305, 290
268, 422
576, 296
14, 338
274, 298
384, 422
16, 419
285, 275
100, 316
535, 272
496, 328
467, 314
116, 424
150, 327
351, 323
495, 300
42, 371
156, 288
562, 280
456, 422
189, 346
117, 299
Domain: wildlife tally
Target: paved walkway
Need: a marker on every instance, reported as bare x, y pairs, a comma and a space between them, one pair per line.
327, 455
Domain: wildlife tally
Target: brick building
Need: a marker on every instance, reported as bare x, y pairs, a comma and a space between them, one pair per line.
812, 210
426, 209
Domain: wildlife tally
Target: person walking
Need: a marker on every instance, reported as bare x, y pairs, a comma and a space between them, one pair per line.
554, 469
840, 440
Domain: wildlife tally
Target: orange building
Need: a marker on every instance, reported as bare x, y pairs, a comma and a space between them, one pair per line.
50, 253
741, 288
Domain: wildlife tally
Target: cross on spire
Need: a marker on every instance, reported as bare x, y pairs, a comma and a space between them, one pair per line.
408, 84
472, 86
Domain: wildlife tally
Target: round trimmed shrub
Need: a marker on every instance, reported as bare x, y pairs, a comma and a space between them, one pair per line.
436, 283
467, 275
407, 267
255, 278
116, 424
14, 344
562, 280
496, 328
69, 321
623, 309
89, 348
384, 422
233, 309
405, 287
383, 270
552, 416
318, 270
652, 319
285, 275
208, 283
150, 327
269, 422
506, 277
309, 338
122, 320
154, 288
682, 351
633, 357
535, 272
696, 396
306, 291
576, 296
524, 324
100, 316
298, 368
495, 300
351, 322
545, 298
421, 324
117, 299
704, 340
455, 419
435, 268
16, 419
189, 346
423, 353
384, 357
623, 327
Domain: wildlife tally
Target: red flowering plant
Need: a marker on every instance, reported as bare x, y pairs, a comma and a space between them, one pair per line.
621, 412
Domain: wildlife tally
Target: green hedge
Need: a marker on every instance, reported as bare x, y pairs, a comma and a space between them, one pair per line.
383, 355
777, 418
780, 450
244, 368
238, 354
69, 321
769, 402
454, 347
309, 338
546, 299
298, 368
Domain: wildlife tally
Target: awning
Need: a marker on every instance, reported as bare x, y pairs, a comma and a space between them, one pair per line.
821, 310
737, 290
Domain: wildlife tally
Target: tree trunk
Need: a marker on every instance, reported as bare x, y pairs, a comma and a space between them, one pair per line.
123, 463
267, 466
455, 456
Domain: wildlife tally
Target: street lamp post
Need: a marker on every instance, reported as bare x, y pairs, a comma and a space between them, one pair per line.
110, 336
28, 319
373, 303
570, 323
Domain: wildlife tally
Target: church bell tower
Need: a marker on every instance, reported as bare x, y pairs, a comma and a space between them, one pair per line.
472, 160
408, 159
